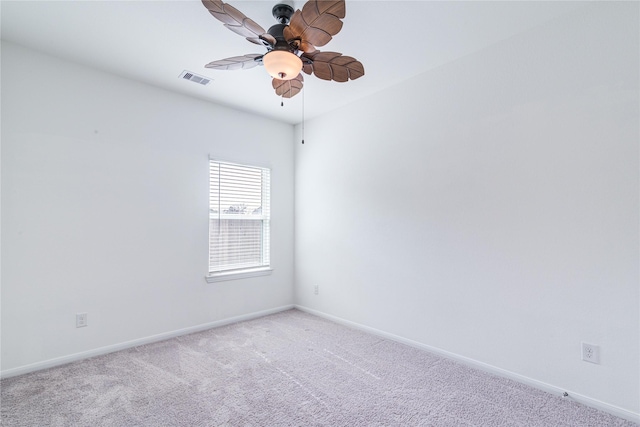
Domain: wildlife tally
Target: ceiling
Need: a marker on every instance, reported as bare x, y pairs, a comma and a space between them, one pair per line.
155, 41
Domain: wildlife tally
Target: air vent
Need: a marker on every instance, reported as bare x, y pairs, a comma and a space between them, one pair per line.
188, 75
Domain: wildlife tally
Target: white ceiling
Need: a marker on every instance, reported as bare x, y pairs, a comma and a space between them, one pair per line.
154, 41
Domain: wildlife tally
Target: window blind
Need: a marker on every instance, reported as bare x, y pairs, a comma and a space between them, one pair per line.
239, 214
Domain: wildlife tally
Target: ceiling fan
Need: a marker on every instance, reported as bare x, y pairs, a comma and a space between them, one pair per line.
291, 44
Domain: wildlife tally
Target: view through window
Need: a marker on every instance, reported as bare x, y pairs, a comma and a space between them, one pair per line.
238, 217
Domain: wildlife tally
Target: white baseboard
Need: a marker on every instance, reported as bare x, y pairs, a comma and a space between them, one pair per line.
585, 400
135, 343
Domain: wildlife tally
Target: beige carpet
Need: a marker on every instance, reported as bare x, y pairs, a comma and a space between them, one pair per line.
288, 369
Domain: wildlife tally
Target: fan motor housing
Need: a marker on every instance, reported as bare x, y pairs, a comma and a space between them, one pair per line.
277, 31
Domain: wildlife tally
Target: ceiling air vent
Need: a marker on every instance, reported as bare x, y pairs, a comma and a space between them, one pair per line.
188, 75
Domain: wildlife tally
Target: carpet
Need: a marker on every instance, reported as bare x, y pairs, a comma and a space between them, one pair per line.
287, 369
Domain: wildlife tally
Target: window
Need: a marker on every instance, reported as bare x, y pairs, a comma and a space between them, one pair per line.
238, 221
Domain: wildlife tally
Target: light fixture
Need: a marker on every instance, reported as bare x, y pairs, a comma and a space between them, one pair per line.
282, 64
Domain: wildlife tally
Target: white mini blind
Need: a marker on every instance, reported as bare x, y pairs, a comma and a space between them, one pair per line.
239, 215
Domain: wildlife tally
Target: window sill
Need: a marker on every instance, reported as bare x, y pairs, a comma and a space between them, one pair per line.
240, 274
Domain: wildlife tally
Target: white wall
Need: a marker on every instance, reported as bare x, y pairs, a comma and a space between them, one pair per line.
489, 208
105, 209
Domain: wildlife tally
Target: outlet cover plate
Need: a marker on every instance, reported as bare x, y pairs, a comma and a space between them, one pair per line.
81, 320
590, 353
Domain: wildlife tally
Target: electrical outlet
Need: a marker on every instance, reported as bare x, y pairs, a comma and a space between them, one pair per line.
81, 320
316, 289
590, 353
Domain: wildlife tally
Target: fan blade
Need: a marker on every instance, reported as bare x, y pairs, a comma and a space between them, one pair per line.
288, 88
235, 20
332, 66
317, 23
236, 62
268, 39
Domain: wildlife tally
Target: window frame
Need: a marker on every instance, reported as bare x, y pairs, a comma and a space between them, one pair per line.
243, 272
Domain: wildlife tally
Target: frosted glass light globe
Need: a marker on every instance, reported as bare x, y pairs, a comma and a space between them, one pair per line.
282, 65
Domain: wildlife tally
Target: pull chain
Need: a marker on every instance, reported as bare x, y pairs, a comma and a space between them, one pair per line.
303, 91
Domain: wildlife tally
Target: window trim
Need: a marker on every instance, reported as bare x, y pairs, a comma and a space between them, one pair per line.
240, 273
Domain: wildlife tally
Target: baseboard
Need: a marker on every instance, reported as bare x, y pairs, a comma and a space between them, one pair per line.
135, 343
585, 400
